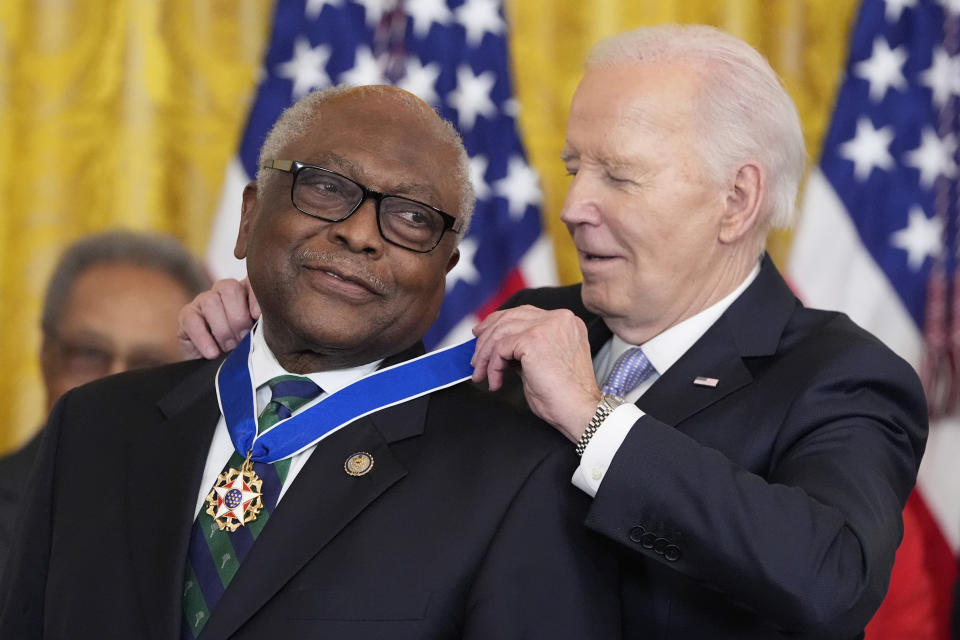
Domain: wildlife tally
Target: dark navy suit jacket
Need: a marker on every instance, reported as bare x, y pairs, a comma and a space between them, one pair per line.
768, 506
466, 526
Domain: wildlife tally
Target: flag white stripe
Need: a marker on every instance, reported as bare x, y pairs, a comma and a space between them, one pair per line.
830, 268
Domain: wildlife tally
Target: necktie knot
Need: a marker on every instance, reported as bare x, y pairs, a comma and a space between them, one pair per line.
288, 393
630, 369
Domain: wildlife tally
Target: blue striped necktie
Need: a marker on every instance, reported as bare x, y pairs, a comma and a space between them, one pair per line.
215, 555
629, 371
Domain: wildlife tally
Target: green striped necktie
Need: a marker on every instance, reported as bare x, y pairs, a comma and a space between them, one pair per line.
215, 554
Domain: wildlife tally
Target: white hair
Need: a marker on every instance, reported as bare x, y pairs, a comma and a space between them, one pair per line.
298, 117
744, 111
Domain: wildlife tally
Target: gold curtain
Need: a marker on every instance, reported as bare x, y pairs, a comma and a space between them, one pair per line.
125, 113
112, 113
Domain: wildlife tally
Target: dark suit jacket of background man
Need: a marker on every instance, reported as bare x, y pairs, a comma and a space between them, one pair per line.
465, 526
805, 399
14, 471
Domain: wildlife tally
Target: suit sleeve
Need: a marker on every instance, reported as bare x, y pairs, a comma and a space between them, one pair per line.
807, 542
545, 576
25, 578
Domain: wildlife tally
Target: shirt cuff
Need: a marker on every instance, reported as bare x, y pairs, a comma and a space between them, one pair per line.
603, 446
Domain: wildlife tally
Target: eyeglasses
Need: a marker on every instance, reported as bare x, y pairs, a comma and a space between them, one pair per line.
90, 359
327, 195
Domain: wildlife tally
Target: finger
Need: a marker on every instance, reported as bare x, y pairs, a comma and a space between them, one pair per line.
482, 331
193, 334
252, 300
501, 357
486, 343
188, 350
484, 325
213, 311
505, 328
233, 296
524, 312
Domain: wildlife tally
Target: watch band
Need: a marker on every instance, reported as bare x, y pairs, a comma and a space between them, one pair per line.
605, 407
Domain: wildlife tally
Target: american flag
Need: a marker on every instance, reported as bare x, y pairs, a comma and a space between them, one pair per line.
453, 54
878, 234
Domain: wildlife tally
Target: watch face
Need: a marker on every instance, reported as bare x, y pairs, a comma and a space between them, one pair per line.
612, 401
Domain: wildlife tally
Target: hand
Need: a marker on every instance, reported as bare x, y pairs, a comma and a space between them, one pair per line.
217, 320
553, 354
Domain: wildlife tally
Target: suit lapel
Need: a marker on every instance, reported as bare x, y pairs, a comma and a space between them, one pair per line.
674, 397
741, 332
738, 334
321, 501
163, 469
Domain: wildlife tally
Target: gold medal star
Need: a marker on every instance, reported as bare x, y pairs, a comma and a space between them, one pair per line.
234, 497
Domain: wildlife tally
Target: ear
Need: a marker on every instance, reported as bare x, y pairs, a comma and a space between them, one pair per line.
48, 356
49, 365
454, 259
742, 207
247, 211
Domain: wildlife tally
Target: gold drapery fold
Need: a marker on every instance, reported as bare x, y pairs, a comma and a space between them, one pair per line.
112, 113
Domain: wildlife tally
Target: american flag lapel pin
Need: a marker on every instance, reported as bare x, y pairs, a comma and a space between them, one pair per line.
703, 381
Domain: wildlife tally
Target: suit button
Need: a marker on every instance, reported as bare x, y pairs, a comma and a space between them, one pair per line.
647, 540
636, 533
671, 553
659, 545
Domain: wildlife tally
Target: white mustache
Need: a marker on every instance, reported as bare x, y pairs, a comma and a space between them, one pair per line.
346, 266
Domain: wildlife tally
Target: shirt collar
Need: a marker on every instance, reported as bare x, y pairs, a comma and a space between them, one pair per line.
264, 366
669, 345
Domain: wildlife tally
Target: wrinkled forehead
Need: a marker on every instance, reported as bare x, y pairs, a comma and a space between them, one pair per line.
647, 93
623, 105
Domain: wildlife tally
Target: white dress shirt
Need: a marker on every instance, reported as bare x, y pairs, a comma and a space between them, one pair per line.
263, 367
662, 351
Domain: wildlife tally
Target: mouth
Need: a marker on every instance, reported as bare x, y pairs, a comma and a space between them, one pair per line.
586, 256
340, 281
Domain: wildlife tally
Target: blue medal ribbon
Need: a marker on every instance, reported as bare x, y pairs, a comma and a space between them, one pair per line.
380, 389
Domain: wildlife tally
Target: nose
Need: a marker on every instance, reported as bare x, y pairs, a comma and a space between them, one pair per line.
359, 233
582, 204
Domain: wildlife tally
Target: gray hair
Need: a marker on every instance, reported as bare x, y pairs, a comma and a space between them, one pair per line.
744, 111
150, 250
299, 116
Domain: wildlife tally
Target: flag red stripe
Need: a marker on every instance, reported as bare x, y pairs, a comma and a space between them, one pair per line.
918, 605
513, 283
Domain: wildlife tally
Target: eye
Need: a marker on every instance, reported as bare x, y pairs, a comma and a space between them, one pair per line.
616, 178
85, 359
320, 182
413, 217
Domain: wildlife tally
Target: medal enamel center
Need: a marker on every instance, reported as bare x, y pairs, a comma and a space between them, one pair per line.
235, 499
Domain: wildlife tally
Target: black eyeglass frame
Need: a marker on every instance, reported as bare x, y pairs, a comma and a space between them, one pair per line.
294, 167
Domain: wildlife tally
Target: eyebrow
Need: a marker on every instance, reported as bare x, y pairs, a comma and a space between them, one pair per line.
609, 161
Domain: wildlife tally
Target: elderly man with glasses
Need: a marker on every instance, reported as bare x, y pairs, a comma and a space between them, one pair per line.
323, 480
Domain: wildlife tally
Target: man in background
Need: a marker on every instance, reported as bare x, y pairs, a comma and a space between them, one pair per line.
111, 305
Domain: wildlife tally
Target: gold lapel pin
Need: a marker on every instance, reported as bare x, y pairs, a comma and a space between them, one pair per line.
358, 464
706, 382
